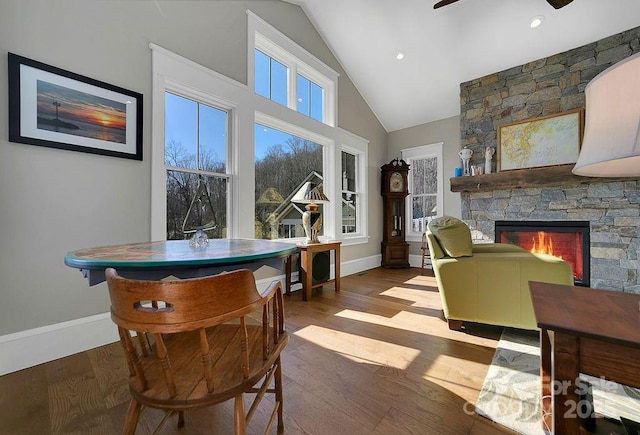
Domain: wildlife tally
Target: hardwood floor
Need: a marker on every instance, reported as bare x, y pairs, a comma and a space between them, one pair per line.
375, 358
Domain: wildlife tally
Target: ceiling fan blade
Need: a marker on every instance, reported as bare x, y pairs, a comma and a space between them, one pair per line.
559, 3
444, 3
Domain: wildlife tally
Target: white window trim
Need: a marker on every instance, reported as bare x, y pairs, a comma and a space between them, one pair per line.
171, 73
422, 152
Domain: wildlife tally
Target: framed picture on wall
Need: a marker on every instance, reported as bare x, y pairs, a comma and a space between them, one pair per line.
545, 141
51, 107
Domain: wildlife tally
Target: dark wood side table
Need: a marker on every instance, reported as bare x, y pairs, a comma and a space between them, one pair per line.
306, 253
583, 330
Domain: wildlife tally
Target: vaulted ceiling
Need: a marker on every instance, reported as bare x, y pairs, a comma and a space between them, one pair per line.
447, 46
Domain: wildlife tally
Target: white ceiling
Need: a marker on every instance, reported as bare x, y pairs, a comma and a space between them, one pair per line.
450, 45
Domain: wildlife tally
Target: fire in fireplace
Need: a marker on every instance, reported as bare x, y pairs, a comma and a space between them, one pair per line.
568, 240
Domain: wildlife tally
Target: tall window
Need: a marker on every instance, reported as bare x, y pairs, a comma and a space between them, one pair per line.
283, 163
425, 186
350, 202
195, 160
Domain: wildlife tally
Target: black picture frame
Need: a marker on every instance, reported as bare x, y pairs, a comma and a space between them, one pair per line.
52, 107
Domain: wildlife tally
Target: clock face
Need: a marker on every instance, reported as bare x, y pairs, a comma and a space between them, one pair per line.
396, 182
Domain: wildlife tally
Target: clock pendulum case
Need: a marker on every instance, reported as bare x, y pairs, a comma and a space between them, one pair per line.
395, 250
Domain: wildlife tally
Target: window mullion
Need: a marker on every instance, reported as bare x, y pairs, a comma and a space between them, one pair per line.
271, 60
292, 87
198, 136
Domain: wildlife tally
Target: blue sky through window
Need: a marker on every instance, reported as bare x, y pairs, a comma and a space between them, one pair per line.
188, 123
183, 127
271, 82
267, 137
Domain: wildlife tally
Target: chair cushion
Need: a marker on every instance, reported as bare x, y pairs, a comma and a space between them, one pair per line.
453, 235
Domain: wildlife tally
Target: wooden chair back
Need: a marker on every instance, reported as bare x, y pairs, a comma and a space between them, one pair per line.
181, 305
196, 342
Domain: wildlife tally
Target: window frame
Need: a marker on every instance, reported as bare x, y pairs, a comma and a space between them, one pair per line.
208, 100
434, 150
327, 145
264, 37
360, 191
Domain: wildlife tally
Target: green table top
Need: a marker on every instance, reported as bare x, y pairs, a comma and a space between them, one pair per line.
177, 254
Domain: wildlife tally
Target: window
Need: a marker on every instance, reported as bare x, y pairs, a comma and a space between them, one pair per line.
350, 202
425, 187
271, 78
215, 172
195, 158
298, 81
309, 98
283, 163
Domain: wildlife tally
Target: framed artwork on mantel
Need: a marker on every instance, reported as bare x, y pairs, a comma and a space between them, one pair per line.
546, 141
51, 107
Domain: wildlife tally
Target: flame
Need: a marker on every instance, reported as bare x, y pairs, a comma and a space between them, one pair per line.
543, 244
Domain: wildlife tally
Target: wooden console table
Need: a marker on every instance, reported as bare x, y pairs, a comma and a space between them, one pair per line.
306, 253
583, 330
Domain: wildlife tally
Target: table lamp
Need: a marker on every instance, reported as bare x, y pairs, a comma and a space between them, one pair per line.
311, 194
611, 145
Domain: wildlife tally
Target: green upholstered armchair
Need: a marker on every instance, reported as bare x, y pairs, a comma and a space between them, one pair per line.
487, 283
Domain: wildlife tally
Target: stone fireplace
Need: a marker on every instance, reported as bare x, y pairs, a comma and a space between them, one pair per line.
612, 210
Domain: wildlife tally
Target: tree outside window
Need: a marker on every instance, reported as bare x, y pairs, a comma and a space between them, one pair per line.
195, 158
283, 163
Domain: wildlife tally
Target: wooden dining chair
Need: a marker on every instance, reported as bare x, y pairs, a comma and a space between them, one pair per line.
198, 342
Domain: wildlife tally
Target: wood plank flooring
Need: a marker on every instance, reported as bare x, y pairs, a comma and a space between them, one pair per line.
375, 358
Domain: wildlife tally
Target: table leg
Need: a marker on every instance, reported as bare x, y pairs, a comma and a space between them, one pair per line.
546, 380
566, 369
287, 273
306, 265
337, 268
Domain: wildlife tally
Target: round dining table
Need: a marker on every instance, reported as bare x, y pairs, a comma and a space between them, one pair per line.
161, 259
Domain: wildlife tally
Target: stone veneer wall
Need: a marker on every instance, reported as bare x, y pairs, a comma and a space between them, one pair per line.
546, 86
613, 210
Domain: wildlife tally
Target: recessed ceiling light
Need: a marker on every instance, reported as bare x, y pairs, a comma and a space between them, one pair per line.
400, 55
536, 21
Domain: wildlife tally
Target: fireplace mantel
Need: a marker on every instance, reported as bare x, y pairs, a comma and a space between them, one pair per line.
522, 178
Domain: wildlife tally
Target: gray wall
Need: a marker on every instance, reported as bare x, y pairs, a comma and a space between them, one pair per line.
54, 201
445, 130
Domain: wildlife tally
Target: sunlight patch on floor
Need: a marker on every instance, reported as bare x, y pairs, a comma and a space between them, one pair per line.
419, 298
410, 322
444, 372
363, 348
403, 320
422, 280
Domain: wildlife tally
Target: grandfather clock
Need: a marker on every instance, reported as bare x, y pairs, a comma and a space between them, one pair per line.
395, 250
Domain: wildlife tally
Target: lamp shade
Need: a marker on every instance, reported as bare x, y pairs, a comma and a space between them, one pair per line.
611, 144
309, 193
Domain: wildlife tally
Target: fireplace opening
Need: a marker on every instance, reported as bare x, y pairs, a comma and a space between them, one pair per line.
566, 240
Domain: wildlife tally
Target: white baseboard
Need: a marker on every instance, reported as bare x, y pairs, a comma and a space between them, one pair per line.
415, 260
36, 346
39, 345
